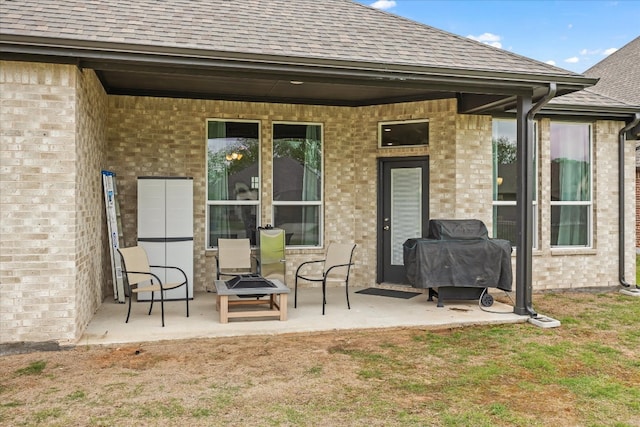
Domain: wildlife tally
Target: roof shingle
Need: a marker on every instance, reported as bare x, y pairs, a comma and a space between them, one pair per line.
589, 97
619, 74
340, 30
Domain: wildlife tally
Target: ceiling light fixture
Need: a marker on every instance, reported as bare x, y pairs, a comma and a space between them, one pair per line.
233, 156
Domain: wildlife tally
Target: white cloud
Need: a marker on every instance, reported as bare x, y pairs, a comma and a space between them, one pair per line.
487, 38
572, 60
590, 52
609, 51
383, 4
551, 62
570, 26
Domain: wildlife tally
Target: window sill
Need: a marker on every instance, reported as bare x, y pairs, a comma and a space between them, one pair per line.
573, 251
534, 252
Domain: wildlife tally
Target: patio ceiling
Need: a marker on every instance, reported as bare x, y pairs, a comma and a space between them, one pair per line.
312, 89
127, 70
268, 78
255, 88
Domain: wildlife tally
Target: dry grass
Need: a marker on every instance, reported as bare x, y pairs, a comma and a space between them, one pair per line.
586, 372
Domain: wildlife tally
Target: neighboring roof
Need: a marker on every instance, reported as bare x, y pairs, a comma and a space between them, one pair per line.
589, 98
616, 93
619, 74
339, 30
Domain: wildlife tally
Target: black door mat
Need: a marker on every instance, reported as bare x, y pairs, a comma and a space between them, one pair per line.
388, 293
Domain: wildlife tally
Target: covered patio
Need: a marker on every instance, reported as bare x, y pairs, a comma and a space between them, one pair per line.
367, 312
141, 96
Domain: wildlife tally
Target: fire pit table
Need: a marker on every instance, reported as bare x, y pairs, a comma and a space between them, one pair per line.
251, 288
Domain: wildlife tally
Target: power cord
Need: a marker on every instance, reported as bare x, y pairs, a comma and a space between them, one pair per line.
492, 311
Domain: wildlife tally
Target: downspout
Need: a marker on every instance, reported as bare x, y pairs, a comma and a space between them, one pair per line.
621, 139
550, 94
524, 302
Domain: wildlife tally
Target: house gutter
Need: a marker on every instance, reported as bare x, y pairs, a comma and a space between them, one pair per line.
553, 88
122, 56
524, 243
621, 211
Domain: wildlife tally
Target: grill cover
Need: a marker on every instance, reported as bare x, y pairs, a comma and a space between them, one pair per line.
458, 253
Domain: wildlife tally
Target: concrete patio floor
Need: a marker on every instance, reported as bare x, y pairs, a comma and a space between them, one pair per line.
367, 312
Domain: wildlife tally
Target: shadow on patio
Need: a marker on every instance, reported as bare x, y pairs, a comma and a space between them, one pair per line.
367, 312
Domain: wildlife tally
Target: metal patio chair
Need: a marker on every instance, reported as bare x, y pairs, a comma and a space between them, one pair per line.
234, 258
139, 278
336, 267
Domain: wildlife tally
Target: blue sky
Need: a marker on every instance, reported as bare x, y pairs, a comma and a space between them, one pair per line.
571, 34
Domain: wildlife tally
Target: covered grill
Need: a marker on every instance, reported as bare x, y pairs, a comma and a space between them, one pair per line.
458, 261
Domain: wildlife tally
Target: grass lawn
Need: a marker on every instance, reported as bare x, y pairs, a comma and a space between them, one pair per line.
584, 373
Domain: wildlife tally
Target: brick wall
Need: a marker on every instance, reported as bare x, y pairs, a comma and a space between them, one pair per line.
441, 115
54, 270
51, 269
580, 268
140, 126
460, 175
37, 201
474, 169
637, 207
91, 270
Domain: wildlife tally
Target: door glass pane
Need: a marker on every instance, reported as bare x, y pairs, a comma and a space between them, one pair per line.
406, 209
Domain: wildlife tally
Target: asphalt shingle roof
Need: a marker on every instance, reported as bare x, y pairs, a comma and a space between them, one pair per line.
589, 97
339, 30
619, 84
619, 74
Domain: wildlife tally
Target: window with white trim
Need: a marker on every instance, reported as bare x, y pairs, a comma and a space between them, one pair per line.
505, 176
297, 182
571, 189
233, 180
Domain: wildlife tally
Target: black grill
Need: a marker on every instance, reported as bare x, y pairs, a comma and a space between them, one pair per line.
458, 259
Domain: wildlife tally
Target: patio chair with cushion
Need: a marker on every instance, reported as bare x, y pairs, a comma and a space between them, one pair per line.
136, 268
271, 253
336, 267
